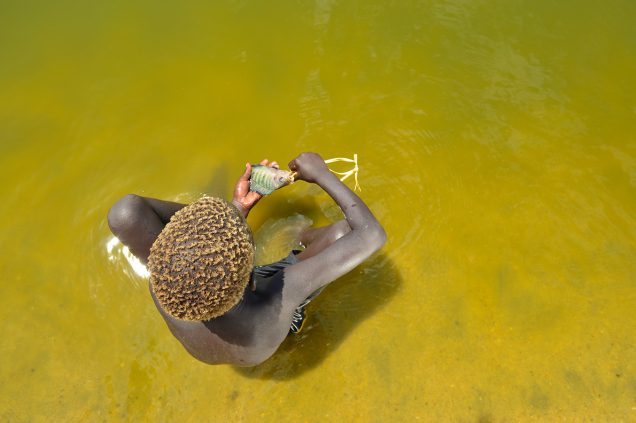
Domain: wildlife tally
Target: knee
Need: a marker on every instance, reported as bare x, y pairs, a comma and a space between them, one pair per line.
124, 214
340, 229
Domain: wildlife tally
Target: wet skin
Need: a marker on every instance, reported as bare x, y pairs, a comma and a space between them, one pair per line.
253, 329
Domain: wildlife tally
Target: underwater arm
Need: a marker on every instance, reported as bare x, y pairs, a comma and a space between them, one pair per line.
366, 235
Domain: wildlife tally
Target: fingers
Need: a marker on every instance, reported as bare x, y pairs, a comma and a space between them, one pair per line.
252, 198
248, 171
266, 162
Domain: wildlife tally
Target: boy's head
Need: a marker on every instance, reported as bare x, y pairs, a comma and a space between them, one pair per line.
201, 262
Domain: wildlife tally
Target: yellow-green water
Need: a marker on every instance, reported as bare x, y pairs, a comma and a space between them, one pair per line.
497, 142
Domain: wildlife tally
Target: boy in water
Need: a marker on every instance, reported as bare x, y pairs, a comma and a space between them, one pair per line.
200, 259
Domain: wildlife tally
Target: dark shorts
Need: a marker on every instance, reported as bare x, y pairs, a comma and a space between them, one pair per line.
269, 270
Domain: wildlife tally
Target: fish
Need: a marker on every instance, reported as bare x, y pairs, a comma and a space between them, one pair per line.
265, 180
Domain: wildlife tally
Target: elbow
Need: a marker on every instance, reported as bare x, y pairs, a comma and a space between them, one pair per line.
122, 215
249, 363
381, 236
376, 237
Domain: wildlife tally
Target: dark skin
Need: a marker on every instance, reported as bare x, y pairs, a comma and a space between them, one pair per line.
252, 330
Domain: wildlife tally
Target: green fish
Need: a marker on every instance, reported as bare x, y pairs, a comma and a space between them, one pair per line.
266, 180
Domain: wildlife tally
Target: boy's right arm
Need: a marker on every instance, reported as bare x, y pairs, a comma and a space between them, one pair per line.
137, 221
366, 235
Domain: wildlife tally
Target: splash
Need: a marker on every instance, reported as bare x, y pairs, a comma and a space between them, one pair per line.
116, 250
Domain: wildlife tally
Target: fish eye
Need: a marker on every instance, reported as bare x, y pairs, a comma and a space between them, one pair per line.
281, 179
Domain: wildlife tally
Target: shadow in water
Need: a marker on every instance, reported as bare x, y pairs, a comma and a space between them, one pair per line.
341, 307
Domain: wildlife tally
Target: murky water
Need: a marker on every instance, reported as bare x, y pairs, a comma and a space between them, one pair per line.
497, 142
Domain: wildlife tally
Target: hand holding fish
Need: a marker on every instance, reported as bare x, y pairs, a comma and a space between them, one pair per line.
243, 198
262, 179
308, 167
265, 180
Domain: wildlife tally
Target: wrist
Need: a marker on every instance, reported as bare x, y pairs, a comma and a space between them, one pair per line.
242, 210
325, 177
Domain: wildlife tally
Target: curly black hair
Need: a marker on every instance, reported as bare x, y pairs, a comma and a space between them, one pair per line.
200, 264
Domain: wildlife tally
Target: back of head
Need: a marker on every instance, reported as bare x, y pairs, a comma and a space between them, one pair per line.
201, 262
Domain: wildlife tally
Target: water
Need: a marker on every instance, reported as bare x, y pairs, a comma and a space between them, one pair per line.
497, 145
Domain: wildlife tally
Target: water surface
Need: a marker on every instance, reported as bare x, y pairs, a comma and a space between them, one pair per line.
497, 142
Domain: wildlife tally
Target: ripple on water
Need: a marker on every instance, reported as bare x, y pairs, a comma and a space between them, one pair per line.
415, 184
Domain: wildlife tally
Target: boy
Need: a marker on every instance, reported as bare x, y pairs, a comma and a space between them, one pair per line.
200, 259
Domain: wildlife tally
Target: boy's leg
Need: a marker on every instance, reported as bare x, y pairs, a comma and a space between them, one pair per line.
137, 221
317, 239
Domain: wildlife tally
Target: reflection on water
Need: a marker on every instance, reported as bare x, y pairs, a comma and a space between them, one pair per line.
497, 145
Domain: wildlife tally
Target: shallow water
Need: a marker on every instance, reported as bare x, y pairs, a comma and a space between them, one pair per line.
497, 142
